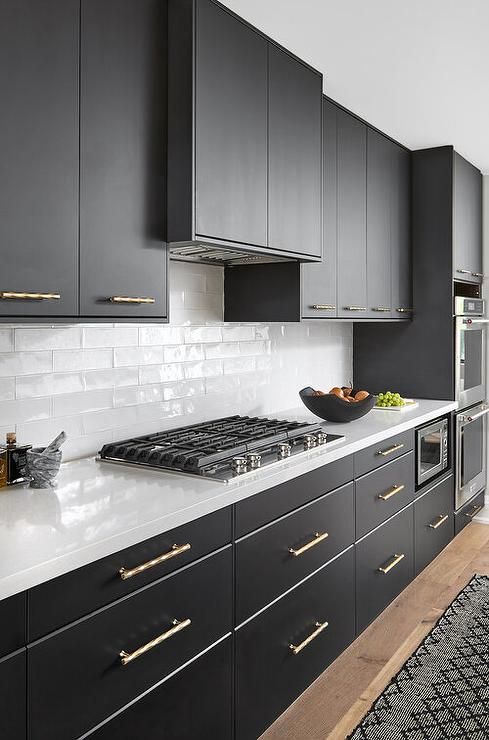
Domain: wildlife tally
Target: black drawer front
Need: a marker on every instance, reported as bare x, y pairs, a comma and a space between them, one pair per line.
69, 597
375, 589
383, 492
433, 523
265, 567
13, 696
195, 703
383, 452
256, 511
465, 514
269, 675
76, 676
12, 624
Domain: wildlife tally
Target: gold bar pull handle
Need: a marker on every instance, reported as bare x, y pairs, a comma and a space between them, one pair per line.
12, 295
390, 450
126, 573
323, 307
395, 561
320, 626
474, 512
395, 489
177, 627
131, 299
317, 539
441, 519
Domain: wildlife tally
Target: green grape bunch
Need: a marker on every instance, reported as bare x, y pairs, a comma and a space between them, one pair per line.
385, 400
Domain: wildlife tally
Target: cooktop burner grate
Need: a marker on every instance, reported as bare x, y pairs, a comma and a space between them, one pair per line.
210, 448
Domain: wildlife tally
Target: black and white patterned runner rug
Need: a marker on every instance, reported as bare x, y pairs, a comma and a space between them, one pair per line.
442, 691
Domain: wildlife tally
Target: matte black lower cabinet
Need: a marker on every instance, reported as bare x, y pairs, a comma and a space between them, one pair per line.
433, 522
270, 671
195, 704
13, 696
76, 676
384, 566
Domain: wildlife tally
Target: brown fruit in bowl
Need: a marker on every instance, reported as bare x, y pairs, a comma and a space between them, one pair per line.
361, 395
337, 392
346, 391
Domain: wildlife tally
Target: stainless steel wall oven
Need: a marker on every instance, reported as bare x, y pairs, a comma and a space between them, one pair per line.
471, 442
470, 348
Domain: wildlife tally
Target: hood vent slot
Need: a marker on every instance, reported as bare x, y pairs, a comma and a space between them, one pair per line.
215, 255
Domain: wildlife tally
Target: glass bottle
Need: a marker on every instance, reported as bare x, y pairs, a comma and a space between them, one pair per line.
16, 460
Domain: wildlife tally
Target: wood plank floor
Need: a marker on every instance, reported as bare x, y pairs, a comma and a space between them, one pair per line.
336, 702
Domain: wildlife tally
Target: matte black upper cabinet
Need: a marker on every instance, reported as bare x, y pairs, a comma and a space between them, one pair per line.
244, 137
400, 222
39, 157
123, 256
467, 221
352, 215
319, 280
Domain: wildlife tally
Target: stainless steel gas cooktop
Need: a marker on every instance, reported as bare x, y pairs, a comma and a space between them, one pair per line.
224, 449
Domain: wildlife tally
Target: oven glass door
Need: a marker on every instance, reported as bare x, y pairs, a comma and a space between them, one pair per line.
471, 463
469, 360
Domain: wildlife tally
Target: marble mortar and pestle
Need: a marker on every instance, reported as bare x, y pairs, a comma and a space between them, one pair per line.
43, 463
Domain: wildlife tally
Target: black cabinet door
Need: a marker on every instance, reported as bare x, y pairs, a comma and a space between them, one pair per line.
378, 226
230, 128
13, 696
195, 703
352, 214
467, 221
384, 566
39, 155
319, 280
270, 671
122, 158
77, 677
294, 125
12, 623
401, 269
433, 523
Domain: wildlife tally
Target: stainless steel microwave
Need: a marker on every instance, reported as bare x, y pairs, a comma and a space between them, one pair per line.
431, 451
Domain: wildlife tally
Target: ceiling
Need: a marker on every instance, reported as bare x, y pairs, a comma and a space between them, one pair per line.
416, 69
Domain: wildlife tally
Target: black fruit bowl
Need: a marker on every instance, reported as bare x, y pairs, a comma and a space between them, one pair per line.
332, 408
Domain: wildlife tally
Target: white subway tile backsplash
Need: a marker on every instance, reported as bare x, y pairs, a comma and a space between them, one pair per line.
25, 363
204, 369
6, 340
110, 378
62, 337
82, 359
203, 334
238, 333
127, 356
50, 384
183, 353
160, 373
151, 335
78, 403
103, 382
110, 336
15, 412
7, 389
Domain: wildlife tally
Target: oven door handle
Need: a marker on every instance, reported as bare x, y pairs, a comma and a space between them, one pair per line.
475, 321
468, 419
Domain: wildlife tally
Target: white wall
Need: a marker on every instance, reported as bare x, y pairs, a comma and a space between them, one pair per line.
110, 381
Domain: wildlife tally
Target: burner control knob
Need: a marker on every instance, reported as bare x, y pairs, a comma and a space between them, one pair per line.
254, 460
310, 441
321, 438
239, 465
283, 450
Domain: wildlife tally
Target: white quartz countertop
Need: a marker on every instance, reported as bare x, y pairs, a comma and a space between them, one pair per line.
98, 508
